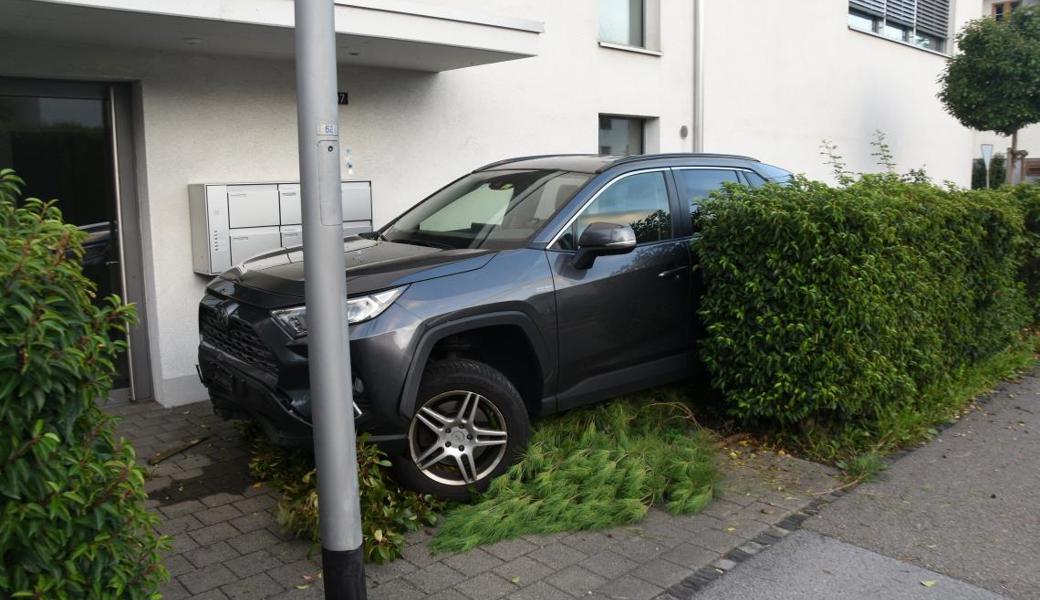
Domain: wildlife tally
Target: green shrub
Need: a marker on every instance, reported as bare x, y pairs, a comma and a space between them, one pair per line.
387, 509
1028, 198
72, 522
840, 306
592, 468
997, 172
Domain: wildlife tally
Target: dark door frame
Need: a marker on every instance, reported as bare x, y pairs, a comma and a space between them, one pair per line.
118, 98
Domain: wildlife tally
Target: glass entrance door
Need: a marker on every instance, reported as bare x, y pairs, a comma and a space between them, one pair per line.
60, 141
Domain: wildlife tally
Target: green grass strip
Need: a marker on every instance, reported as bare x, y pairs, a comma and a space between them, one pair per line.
593, 468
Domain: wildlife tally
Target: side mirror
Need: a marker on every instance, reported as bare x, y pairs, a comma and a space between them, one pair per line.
601, 239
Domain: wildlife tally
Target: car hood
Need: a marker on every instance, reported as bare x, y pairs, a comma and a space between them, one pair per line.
371, 266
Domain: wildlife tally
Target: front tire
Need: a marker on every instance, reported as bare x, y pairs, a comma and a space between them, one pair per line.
470, 425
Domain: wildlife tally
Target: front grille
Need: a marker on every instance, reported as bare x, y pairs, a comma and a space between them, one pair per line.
236, 339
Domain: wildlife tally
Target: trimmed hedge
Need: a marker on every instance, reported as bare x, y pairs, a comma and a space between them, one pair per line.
72, 517
842, 305
1028, 199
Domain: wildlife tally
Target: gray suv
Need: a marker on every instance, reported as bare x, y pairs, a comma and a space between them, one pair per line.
528, 287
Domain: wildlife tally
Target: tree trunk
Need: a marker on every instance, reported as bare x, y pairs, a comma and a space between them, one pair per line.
1012, 161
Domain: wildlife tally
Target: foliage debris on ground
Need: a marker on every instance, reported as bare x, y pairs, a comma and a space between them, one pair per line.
388, 511
592, 468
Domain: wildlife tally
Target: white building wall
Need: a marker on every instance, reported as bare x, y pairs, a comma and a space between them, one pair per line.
1028, 140
780, 77
208, 119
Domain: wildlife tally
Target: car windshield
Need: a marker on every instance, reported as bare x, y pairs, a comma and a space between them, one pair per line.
488, 209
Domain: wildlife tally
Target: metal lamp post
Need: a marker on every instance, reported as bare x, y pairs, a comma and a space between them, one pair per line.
326, 290
987, 158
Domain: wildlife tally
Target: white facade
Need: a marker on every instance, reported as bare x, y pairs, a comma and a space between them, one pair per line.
213, 108
785, 80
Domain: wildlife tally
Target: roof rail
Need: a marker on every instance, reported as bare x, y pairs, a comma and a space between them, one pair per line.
506, 161
642, 157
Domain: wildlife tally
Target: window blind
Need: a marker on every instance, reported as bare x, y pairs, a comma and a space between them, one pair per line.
874, 7
901, 11
931, 17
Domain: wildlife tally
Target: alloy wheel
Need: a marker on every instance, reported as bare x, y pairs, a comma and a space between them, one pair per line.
457, 438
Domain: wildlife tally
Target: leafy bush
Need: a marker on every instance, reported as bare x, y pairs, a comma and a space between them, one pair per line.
72, 522
997, 172
842, 306
387, 509
1028, 199
592, 468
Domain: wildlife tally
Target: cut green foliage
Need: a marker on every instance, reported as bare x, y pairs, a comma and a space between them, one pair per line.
72, 517
388, 511
592, 468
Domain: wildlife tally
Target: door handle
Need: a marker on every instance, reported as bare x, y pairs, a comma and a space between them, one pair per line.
672, 272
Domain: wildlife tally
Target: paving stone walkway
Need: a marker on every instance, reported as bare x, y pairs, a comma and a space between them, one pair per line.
227, 544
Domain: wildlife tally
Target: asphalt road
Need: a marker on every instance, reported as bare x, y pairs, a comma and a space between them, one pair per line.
966, 506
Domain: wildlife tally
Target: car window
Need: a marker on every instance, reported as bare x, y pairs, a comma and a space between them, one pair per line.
697, 184
754, 179
775, 174
487, 209
484, 204
640, 201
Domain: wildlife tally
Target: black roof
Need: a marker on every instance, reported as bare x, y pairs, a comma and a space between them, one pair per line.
592, 163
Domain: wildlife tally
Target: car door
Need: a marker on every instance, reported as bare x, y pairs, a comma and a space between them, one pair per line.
624, 323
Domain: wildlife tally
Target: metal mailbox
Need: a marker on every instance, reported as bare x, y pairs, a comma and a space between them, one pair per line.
231, 223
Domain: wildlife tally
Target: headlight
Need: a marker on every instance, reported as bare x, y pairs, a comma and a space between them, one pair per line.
294, 320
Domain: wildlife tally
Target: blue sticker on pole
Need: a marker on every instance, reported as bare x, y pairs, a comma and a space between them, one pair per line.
328, 128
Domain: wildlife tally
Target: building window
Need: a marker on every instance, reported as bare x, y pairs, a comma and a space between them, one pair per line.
921, 23
623, 22
621, 136
1002, 10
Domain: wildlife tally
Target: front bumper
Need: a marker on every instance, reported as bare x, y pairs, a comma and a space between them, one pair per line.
253, 369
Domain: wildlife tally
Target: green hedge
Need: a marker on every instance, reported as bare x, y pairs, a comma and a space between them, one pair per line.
72, 517
842, 305
1028, 200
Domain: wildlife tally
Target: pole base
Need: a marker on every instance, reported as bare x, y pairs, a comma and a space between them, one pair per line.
343, 572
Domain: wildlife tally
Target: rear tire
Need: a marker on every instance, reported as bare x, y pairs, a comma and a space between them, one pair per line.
469, 426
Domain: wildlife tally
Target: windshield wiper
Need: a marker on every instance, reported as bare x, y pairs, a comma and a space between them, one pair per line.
426, 243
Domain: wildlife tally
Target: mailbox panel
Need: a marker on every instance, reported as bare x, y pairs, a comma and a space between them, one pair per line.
252, 205
232, 223
289, 199
248, 242
292, 235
